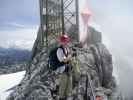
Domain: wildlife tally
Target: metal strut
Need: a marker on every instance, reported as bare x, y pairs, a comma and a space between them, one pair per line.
56, 17
62, 9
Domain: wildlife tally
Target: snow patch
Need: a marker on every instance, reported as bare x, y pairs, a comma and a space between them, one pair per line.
8, 81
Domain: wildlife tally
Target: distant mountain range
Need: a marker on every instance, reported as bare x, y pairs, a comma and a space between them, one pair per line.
11, 56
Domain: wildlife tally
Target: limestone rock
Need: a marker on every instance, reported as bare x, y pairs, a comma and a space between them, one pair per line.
40, 83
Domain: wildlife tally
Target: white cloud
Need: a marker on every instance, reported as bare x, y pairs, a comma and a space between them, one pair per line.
115, 19
16, 25
19, 38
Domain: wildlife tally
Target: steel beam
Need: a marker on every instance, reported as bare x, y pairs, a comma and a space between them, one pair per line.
56, 16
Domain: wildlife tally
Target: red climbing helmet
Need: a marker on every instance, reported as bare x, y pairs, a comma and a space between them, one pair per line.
64, 39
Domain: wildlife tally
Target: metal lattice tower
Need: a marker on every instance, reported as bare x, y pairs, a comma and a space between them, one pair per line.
56, 17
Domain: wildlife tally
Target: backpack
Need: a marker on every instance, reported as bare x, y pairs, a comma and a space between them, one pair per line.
53, 61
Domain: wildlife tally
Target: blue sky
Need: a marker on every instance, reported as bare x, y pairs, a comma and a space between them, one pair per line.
18, 23
19, 20
25, 12
18, 12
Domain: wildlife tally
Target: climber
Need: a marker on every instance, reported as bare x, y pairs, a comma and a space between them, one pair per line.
62, 62
59, 59
60, 56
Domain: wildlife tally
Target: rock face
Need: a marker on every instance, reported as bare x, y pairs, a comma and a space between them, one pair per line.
95, 77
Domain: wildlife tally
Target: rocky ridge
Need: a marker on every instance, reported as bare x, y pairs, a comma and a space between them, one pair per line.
40, 83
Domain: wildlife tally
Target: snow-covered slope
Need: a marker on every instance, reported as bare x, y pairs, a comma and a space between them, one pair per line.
8, 81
